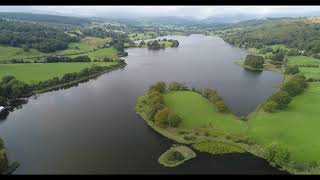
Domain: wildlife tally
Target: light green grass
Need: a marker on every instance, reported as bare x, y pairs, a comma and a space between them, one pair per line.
140, 36
35, 72
310, 72
296, 128
215, 147
279, 46
95, 42
86, 44
302, 60
100, 54
197, 112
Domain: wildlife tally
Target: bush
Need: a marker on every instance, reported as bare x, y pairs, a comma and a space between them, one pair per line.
282, 99
271, 106
292, 87
166, 118
221, 107
254, 61
159, 86
277, 154
278, 57
175, 156
292, 70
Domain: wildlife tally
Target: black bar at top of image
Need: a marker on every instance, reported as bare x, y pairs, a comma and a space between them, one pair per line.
159, 2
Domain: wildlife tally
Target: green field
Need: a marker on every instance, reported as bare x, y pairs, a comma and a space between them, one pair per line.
101, 53
34, 72
302, 60
86, 44
197, 112
295, 128
140, 36
310, 72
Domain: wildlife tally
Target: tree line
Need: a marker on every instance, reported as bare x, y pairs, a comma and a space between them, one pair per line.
294, 34
11, 88
281, 99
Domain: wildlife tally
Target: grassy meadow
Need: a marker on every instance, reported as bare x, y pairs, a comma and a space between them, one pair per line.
197, 112
34, 72
295, 128
86, 44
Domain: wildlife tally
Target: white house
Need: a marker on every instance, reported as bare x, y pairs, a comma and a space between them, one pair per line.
1, 108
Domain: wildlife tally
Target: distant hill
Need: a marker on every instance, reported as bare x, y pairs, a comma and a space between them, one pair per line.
45, 18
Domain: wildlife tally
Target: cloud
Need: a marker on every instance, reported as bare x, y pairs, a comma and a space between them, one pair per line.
198, 12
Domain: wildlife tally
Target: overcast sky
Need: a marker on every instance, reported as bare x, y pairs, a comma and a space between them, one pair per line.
198, 12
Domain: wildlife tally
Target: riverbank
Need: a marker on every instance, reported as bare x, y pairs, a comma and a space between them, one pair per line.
77, 81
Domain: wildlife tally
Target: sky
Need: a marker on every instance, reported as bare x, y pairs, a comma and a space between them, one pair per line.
197, 12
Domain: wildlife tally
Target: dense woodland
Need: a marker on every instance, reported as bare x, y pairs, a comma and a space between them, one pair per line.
292, 33
32, 35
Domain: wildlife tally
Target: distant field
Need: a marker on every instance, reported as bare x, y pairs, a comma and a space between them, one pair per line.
295, 128
310, 72
279, 46
302, 60
197, 112
102, 53
35, 72
95, 42
141, 36
86, 44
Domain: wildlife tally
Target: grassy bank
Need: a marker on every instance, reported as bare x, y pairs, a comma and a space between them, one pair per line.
35, 72
176, 155
85, 45
294, 128
77, 81
266, 67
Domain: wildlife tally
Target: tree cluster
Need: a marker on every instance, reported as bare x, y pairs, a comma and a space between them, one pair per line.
213, 97
31, 35
55, 59
254, 61
281, 99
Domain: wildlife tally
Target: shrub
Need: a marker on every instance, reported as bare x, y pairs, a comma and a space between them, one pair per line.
271, 106
221, 107
175, 156
254, 61
159, 86
292, 87
292, 70
282, 98
277, 154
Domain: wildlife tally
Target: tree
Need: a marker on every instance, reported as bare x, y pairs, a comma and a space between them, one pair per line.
160, 86
161, 118
292, 70
174, 86
282, 98
221, 106
301, 79
292, 87
271, 106
279, 57
254, 61
173, 119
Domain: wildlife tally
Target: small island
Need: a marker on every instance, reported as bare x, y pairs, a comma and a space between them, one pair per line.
154, 44
176, 155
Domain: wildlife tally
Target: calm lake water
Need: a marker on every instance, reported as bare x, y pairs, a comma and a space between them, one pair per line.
92, 128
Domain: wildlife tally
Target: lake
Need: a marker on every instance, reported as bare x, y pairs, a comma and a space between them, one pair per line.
93, 128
